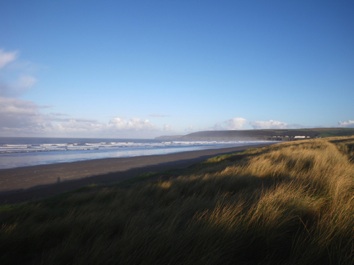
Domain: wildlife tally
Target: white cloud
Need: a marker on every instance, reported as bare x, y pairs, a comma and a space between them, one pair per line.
167, 128
14, 81
24, 118
14, 106
74, 127
271, 124
231, 124
348, 123
18, 115
6, 58
134, 124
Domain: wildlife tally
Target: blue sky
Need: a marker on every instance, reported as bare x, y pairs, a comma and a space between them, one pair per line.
149, 68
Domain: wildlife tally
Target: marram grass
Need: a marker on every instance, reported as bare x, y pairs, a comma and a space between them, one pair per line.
290, 203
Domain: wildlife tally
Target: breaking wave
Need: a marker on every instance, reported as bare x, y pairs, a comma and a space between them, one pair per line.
19, 152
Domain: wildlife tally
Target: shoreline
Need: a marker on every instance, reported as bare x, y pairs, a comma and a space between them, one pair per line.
42, 181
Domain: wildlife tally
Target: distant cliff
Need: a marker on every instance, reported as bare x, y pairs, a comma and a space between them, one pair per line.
268, 134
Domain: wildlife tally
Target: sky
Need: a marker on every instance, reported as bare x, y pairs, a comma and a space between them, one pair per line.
141, 69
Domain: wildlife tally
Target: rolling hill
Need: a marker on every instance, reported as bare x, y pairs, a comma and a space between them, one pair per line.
267, 134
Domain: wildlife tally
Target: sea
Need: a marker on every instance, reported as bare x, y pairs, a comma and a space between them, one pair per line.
20, 151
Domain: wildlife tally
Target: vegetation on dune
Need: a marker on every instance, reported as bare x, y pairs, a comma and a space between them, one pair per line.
290, 203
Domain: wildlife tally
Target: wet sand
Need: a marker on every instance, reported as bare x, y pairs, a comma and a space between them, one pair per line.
36, 182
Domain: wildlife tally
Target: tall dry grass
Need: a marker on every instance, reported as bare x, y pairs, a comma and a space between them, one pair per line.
290, 203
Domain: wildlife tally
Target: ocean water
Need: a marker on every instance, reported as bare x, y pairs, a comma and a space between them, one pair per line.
20, 152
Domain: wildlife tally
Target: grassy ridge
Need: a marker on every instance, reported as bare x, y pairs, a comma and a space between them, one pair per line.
290, 203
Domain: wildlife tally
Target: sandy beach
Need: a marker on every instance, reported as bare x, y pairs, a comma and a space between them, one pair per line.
36, 182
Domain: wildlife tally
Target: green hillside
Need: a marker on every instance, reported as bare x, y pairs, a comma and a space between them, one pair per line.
269, 134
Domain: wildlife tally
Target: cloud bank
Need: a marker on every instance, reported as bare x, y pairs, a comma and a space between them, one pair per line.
239, 123
348, 123
271, 124
134, 124
19, 117
231, 124
23, 118
17, 114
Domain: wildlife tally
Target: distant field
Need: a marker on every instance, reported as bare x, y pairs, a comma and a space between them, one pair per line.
289, 203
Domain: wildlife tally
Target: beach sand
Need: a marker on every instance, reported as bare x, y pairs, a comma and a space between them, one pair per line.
36, 182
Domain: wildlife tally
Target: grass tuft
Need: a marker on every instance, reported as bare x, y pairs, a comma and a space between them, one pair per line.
289, 203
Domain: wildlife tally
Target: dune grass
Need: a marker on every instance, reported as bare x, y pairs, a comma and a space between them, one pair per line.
289, 203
